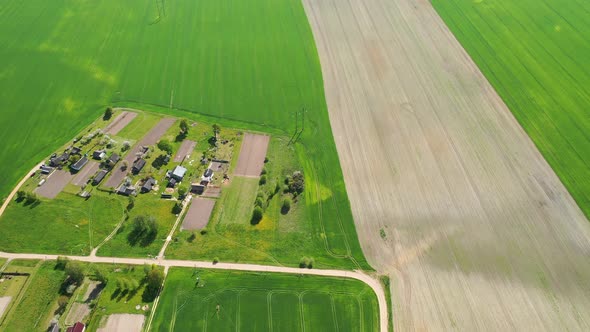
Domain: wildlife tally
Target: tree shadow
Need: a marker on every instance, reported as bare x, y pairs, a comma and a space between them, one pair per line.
180, 137
115, 294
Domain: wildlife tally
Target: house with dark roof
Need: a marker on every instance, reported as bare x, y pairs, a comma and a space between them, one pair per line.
138, 165
148, 185
197, 188
114, 158
126, 190
78, 327
75, 150
98, 154
79, 164
99, 176
171, 183
46, 169
59, 160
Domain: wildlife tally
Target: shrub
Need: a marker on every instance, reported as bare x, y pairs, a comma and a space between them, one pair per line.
262, 180
303, 262
215, 260
20, 195
165, 146
263, 171
108, 113
286, 205
61, 263
257, 215
182, 191
259, 202
177, 208
203, 231
192, 237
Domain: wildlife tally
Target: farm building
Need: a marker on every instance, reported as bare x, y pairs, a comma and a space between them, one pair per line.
114, 158
78, 327
138, 165
178, 173
79, 164
98, 154
207, 176
99, 176
59, 160
126, 190
75, 150
197, 188
46, 169
148, 185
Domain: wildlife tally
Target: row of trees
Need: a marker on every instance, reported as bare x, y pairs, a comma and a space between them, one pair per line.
27, 197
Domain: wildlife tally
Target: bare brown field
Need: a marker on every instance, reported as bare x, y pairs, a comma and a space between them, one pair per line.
151, 138
85, 173
252, 154
123, 322
455, 201
120, 122
186, 148
198, 214
55, 183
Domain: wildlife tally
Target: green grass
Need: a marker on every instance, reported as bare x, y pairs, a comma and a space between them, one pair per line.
148, 204
139, 126
34, 310
535, 54
67, 224
245, 65
263, 301
237, 201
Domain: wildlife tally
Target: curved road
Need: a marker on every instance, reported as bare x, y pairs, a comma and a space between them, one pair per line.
166, 263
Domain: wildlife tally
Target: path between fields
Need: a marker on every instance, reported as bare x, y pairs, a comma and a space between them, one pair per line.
167, 263
13, 192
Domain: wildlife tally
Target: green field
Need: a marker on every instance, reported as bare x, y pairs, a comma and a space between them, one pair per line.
67, 224
263, 302
535, 54
35, 309
245, 65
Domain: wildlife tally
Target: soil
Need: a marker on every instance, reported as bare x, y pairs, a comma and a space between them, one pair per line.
85, 173
479, 233
77, 313
198, 214
119, 123
117, 174
186, 148
252, 154
123, 322
4, 302
55, 183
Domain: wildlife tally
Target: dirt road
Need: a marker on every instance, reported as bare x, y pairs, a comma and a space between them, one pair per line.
456, 202
371, 282
17, 188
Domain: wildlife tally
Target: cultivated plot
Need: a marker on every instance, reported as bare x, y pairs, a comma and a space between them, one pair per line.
123, 322
239, 301
185, 149
252, 154
449, 194
120, 122
198, 214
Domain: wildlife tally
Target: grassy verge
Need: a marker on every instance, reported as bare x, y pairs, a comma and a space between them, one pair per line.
224, 300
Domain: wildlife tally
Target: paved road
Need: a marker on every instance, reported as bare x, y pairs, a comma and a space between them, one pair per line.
13, 192
166, 263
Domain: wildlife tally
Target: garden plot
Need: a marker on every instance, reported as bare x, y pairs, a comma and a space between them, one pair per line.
120, 122
4, 302
118, 174
123, 322
459, 206
85, 173
186, 148
252, 154
54, 184
198, 214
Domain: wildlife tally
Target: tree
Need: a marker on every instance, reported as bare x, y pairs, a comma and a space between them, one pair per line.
108, 113
74, 272
257, 215
183, 127
100, 274
262, 180
296, 183
20, 195
216, 130
154, 279
165, 146
182, 191
131, 203
145, 230
61, 263
31, 198
286, 205
177, 208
